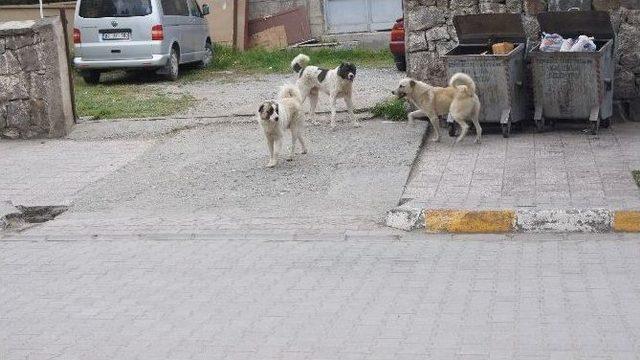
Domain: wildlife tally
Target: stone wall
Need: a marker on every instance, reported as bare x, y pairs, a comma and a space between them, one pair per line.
430, 33
35, 96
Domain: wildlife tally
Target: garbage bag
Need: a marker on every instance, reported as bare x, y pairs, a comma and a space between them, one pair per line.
584, 44
567, 45
551, 42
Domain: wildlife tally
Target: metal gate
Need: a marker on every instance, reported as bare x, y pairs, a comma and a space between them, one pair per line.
343, 16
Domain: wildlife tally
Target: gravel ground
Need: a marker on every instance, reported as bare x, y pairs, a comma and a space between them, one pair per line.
241, 94
219, 168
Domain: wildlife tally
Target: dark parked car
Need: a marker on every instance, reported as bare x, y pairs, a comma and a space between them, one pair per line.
396, 45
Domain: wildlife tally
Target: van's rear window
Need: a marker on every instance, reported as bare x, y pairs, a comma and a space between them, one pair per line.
114, 8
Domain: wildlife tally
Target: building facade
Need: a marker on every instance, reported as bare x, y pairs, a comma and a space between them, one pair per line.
329, 17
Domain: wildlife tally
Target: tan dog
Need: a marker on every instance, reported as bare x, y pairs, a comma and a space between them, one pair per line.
459, 100
276, 117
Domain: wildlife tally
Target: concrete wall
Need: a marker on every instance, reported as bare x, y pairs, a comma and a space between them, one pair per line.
32, 12
35, 93
430, 34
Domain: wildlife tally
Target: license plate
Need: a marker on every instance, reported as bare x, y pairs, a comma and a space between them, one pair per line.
115, 36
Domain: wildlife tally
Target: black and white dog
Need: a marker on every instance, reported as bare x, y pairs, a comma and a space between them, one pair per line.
337, 83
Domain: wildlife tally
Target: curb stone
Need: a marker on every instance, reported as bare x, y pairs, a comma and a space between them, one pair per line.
596, 220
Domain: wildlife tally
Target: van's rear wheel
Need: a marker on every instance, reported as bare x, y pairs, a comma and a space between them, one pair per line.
91, 77
208, 55
172, 69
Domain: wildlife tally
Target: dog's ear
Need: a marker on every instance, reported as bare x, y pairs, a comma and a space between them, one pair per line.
412, 83
261, 108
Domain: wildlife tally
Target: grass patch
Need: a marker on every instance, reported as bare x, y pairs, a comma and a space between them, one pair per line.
636, 176
391, 109
121, 95
265, 61
113, 101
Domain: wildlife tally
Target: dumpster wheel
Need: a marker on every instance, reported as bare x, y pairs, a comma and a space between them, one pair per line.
506, 130
540, 124
605, 123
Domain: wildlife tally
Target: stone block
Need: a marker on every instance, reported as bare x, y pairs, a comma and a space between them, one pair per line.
605, 5
565, 5
491, 8
534, 7
28, 59
14, 88
416, 41
456, 4
19, 41
437, 33
425, 18
514, 6
630, 4
531, 27
38, 113
625, 84
632, 17
634, 110
18, 114
3, 117
9, 63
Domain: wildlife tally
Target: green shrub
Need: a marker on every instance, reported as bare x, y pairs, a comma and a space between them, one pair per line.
392, 109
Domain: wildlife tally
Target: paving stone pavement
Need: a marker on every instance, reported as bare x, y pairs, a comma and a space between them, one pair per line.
52, 172
360, 297
210, 176
559, 169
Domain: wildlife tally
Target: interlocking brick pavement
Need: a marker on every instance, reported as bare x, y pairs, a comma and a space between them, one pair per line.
372, 297
53, 172
560, 169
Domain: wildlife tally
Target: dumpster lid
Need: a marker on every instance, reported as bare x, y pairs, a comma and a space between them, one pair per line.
575, 23
486, 28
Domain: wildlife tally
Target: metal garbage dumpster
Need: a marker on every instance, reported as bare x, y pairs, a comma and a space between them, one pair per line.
499, 78
574, 85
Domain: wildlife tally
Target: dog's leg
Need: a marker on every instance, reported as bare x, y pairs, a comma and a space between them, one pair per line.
273, 159
293, 145
349, 101
333, 99
465, 128
435, 124
313, 101
298, 134
476, 124
412, 115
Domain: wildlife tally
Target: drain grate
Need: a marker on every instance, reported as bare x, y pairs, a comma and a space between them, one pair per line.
27, 216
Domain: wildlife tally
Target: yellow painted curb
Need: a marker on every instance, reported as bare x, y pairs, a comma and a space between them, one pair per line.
464, 221
626, 221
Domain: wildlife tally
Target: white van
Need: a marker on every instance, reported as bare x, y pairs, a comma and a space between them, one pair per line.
157, 35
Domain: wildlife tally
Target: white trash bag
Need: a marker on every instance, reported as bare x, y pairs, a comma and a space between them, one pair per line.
567, 45
551, 42
584, 44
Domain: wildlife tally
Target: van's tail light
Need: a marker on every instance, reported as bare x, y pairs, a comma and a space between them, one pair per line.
157, 33
77, 37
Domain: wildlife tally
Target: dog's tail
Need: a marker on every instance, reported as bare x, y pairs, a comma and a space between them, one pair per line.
462, 79
299, 63
289, 91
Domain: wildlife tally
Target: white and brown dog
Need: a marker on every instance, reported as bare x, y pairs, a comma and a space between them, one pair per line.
337, 83
276, 117
459, 100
